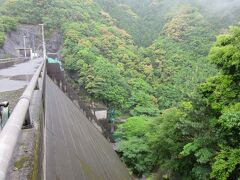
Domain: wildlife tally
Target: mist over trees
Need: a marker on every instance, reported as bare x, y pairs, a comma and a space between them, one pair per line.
170, 68
144, 20
220, 6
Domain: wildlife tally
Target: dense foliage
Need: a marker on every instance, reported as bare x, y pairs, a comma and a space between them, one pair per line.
200, 138
6, 24
183, 109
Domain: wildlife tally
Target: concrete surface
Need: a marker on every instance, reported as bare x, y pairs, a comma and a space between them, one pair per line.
74, 148
13, 81
8, 83
23, 161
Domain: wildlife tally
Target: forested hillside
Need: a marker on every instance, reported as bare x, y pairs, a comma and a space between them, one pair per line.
160, 65
145, 19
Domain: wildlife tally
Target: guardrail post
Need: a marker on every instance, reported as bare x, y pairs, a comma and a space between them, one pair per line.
44, 73
27, 122
37, 86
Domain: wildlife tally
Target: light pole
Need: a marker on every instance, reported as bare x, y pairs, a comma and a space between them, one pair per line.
33, 36
24, 46
43, 41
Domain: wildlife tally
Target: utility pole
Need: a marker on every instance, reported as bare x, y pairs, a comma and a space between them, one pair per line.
33, 41
24, 46
43, 41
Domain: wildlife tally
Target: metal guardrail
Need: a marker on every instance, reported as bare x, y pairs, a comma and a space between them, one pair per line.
11, 131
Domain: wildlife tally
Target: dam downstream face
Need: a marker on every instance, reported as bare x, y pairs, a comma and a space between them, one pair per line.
74, 148
95, 112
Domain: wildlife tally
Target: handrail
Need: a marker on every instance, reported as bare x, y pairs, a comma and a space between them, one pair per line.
11, 131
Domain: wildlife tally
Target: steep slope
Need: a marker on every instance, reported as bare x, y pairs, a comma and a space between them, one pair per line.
6, 24
99, 56
221, 13
181, 52
145, 20
93, 42
124, 16
147, 59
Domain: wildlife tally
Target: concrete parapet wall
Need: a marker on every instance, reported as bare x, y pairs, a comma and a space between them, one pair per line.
10, 63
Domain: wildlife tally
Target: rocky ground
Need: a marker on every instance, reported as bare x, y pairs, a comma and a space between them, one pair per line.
11, 96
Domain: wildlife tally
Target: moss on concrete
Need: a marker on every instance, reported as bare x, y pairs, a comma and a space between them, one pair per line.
19, 164
33, 175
